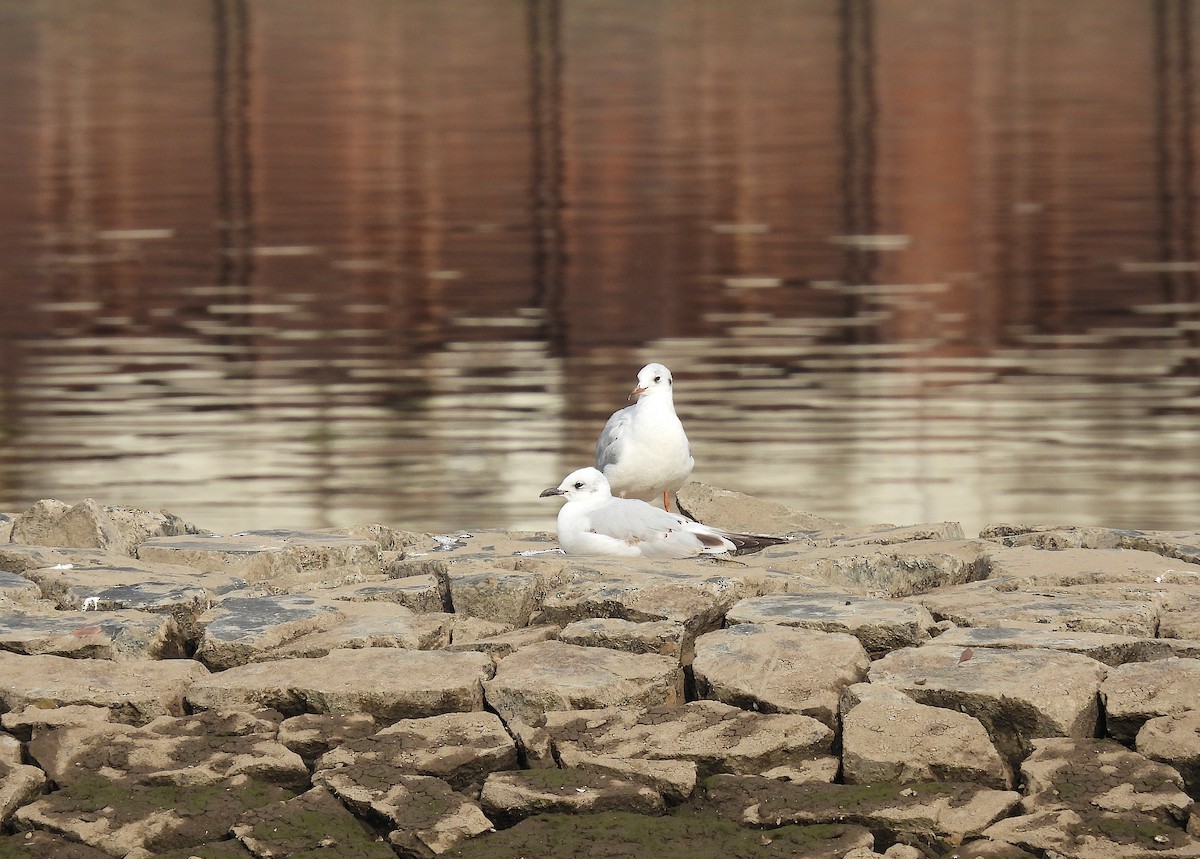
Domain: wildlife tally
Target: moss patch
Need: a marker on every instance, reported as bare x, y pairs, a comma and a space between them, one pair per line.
623, 835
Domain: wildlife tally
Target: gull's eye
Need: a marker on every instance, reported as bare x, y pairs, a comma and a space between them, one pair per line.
658, 378
579, 484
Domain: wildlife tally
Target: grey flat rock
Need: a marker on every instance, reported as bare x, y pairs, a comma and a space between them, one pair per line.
117, 635
511, 796
1104, 647
881, 625
663, 638
873, 565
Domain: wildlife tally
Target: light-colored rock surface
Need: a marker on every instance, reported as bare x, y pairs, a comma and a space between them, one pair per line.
422, 594
29, 722
17, 590
370, 624
136, 692
117, 635
736, 511
512, 796
1137, 692
664, 637
875, 566
696, 594
91, 525
551, 675
1104, 647
460, 748
241, 629
313, 734
1116, 779
888, 737
171, 750
715, 737
778, 669
383, 682
19, 785
506, 643
501, 596
940, 810
985, 605
1018, 695
426, 815
1175, 740
881, 625
1095, 799
261, 555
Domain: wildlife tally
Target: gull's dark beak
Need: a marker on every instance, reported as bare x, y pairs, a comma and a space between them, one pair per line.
554, 490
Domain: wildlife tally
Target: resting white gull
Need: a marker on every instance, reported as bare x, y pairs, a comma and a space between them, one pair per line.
593, 522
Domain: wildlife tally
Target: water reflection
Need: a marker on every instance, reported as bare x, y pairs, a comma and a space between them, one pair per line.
311, 264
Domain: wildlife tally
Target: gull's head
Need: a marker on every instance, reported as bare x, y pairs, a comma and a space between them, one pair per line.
586, 483
652, 378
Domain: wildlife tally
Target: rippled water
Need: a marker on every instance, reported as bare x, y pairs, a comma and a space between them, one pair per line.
304, 264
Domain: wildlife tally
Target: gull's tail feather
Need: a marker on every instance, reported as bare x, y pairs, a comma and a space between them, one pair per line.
749, 543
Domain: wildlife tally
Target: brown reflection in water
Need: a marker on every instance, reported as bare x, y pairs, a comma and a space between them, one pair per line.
308, 263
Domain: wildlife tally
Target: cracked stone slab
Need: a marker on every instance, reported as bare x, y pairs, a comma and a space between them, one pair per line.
663, 638
881, 625
19, 785
259, 556
1018, 695
1085, 774
889, 737
1095, 835
501, 596
505, 644
370, 624
241, 629
1034, 568
313, 734
871, 566
1174, 740
120, 815
1104, 647
18, 590
736, 511
460, 748
779, 669
136, 691
313, 823
426, 815
385, 682
114, 635
130, 583
1137, 692
989, 604
711, 736
194, 751
421, 594
552, 675
90, 525
696, 595
32, 721
511, 796
935, 809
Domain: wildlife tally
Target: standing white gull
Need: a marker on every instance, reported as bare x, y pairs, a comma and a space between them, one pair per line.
592, 522
643, 450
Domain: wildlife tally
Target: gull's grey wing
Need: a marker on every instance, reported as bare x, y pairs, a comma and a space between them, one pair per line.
608, 444
658, 533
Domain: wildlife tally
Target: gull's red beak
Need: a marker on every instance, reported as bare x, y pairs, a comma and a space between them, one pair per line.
636, 392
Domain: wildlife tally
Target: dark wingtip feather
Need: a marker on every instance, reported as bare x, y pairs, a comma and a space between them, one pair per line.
748, 544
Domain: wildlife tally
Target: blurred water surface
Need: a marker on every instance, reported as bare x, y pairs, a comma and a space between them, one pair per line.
298, 263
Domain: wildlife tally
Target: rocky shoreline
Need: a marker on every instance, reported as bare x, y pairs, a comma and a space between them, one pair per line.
370, 692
